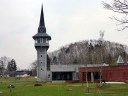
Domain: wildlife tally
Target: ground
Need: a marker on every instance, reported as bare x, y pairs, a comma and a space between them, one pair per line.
25, 87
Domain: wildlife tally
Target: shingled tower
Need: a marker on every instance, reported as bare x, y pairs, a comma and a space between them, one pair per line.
42, 45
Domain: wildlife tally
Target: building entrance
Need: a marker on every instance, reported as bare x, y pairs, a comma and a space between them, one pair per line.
61, 75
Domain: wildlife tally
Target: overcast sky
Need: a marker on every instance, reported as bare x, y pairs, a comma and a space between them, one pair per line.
67, 21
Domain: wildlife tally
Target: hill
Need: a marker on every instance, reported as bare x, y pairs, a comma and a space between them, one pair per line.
89, 52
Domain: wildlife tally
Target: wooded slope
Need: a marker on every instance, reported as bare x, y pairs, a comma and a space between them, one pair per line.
89, 52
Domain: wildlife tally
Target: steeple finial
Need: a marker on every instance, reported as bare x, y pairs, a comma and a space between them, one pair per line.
42, 23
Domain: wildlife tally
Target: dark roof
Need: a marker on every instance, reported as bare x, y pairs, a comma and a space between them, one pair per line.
42, 35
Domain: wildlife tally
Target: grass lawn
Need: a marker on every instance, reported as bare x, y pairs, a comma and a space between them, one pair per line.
25, 87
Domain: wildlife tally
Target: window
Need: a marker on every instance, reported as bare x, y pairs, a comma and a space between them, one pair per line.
35, 40
48, 75
41, 40
47, 41
41, 30
97, 75
38, 40
44, 40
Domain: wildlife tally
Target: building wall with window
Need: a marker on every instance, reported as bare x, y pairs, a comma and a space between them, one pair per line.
69, 72
108, 73
65, 72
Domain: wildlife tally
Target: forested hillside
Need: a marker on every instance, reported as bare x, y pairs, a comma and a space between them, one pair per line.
89, 52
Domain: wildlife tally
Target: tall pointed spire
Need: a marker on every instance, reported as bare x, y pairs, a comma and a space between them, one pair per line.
42, 23
42, 29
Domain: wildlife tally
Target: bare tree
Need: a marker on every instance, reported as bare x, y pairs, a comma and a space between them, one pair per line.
87, 80
3, 64
119, 6
102, 50
89, 52
1, 67
33, 68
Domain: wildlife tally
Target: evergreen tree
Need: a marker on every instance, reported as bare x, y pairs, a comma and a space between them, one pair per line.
12, 65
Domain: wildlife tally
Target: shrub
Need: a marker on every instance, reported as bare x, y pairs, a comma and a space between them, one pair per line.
37, 85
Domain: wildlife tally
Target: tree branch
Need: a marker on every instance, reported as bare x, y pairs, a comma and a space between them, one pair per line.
121, 7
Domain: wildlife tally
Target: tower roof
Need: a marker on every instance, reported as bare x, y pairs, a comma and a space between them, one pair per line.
120, 60
42, 35
42, 29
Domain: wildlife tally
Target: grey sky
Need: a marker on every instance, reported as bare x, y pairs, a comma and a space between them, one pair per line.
66, 21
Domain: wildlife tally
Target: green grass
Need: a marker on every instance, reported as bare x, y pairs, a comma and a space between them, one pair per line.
25, 87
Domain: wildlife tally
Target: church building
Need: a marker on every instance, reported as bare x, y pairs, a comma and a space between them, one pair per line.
79, 72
